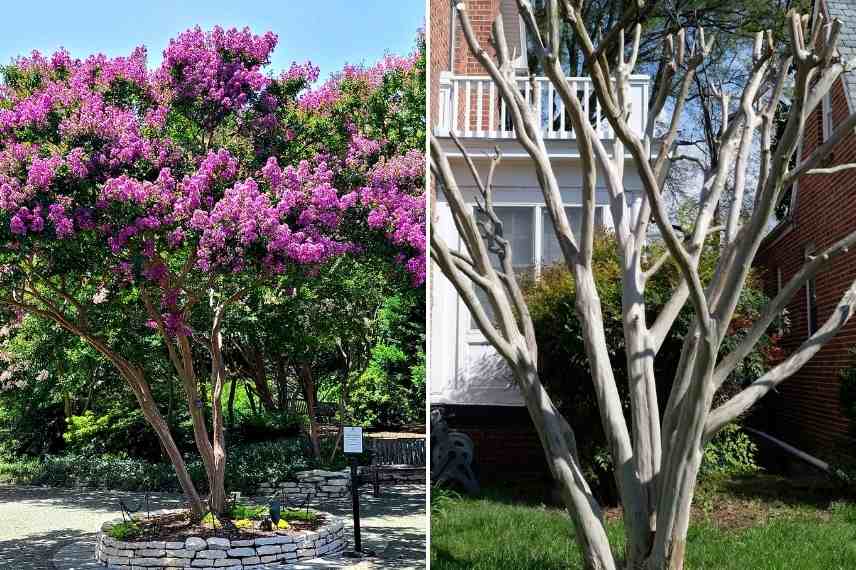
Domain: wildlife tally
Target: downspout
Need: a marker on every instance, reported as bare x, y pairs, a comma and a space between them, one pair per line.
791, 450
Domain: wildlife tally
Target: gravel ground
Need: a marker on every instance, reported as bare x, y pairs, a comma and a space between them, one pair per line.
36, 522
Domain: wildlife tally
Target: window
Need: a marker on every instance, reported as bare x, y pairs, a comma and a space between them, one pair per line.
533, 240
517, 228
826, 111
550, 251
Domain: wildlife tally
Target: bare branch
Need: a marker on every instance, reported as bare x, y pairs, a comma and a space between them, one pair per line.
740, 403
775, 306
808, 165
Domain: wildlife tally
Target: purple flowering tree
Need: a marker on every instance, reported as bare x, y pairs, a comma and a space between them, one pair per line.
167, 195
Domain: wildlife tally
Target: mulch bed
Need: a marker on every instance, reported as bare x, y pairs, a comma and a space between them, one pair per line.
179, 526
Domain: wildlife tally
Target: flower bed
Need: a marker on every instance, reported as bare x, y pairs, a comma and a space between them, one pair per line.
243, 551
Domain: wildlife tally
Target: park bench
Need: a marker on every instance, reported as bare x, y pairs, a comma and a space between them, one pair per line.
395, 459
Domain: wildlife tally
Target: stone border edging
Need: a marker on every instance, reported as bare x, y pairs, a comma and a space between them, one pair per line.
196, 552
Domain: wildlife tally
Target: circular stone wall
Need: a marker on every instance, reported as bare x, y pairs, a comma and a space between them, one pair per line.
222, 553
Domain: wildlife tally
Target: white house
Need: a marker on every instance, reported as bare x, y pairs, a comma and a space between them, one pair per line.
465, 370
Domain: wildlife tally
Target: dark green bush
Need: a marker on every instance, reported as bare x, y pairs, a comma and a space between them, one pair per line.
262, 426
248, 466
382, 394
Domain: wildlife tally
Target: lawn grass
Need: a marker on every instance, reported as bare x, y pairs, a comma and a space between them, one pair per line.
759, 523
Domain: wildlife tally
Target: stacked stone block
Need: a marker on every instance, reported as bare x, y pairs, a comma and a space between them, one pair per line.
220, 553
316, 484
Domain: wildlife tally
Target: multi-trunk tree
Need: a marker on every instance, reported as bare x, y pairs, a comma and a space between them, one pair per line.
158, 200
656, 457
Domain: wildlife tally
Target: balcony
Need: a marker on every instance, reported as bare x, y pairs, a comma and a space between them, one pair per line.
471, 107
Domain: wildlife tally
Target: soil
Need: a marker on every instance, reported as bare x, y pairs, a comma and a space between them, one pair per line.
739, 503
179, 526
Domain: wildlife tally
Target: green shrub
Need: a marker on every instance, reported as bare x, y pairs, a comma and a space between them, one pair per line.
262, 426
731, 452
124, 432
299, 515
386, 394
125, 530
244, 511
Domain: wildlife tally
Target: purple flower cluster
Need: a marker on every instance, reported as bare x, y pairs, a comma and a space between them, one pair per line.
221, 67
305, 72
246, 216
116, 176
397, 206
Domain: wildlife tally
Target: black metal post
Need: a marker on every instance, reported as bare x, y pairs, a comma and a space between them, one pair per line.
358, 547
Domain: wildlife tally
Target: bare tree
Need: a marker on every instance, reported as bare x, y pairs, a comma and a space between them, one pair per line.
656, 458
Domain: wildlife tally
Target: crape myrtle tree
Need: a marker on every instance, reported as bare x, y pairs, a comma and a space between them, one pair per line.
167, 196
656, 458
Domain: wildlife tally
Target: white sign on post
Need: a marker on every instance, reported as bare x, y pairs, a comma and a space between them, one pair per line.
353, 440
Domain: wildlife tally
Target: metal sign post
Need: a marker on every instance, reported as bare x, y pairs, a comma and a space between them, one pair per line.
353, 444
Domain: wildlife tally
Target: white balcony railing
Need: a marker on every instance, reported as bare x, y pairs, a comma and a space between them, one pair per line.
470, 106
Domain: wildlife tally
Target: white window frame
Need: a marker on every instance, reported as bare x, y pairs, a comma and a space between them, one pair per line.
810, 285
779, 290
538, 209
826, 114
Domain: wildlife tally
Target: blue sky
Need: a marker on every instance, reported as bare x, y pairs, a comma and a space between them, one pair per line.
330, 33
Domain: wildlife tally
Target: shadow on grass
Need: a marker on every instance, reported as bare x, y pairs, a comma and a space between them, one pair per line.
814, 492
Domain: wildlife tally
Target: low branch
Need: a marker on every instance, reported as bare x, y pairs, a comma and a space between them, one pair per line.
775, 307
741, 403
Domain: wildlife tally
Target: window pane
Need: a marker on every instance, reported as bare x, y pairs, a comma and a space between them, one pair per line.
551, 252
517, 228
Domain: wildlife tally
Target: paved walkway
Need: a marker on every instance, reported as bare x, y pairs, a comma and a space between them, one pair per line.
40, 524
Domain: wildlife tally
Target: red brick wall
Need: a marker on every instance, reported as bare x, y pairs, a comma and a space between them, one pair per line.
482, 14
439, 26
506, 445
806, 410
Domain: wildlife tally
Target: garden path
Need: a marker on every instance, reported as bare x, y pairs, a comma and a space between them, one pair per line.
38, 525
